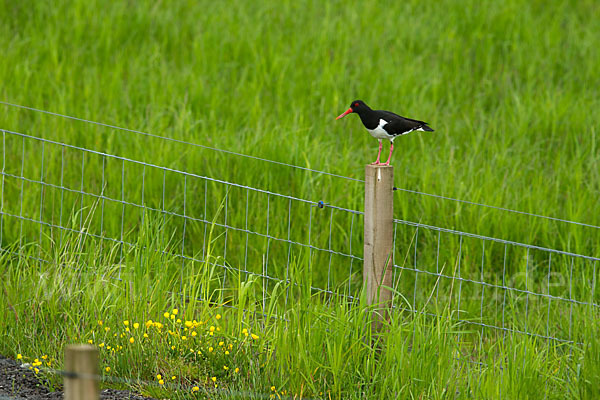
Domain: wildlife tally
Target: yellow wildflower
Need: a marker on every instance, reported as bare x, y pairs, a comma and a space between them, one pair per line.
145, 335
272, 388
173, 377
19, 356
126, 329
100, 322
194, 333
90, 341
221, 343
101, 345
175, 311
159, 376
188, 324
136, 325
254, 336
36, 370
225, 367
195, 389
149, 323
218, 316
172, 316
236, 370
161, 382
106, 329
214, 379
126, 323
131, 340
226, 352
107, 369
184, 338
166, 314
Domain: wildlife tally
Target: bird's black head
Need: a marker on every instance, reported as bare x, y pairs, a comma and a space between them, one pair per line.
357, 106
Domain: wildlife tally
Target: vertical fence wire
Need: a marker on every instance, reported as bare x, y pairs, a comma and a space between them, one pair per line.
21, 197
41, 215
2, 191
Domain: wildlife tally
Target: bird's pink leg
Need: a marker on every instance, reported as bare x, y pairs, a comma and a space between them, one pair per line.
390, 156
377, 162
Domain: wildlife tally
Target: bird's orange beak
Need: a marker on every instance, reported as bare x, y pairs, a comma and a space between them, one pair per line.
348, 111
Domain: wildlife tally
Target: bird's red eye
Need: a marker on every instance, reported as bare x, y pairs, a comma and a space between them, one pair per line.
355, 104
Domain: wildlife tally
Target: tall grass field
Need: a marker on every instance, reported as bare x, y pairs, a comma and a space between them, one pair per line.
200, 272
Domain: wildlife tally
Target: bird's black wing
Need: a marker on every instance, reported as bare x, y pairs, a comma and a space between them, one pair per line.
401, 125
393, 116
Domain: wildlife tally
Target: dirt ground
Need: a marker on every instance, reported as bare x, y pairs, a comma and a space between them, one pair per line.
18, 383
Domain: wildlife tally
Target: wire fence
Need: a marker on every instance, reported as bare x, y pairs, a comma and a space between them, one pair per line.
52, 190
413, 191
71, 181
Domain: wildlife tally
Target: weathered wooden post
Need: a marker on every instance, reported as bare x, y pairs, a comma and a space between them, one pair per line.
81, 367
379, 236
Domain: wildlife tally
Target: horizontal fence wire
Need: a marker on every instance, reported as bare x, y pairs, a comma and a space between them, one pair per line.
179, 141
57, 197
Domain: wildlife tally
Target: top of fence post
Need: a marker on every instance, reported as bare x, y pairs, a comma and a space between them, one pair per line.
81, 378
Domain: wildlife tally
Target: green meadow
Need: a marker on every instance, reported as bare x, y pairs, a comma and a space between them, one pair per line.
202, 273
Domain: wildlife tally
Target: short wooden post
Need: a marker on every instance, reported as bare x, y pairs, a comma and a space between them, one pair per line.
379, 236
81, 367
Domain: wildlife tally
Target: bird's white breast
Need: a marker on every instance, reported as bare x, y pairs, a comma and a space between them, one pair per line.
379, 132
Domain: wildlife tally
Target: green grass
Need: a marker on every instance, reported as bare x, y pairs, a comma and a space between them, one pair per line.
510, 88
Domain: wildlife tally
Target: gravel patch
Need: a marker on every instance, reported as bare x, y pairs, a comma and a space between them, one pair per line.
18, 383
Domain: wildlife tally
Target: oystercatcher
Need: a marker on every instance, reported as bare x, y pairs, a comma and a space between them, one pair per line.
384, 125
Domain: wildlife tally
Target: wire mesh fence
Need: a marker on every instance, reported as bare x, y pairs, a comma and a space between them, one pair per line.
120, 206
496, 288
108, 200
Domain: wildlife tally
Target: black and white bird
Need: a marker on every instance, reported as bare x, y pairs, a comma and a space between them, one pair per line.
384, 125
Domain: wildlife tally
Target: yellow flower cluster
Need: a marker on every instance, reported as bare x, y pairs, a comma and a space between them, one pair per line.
246, 333
156, 325
199, 337
37, 362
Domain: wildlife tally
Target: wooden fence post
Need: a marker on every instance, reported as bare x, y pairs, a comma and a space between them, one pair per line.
379, 236
81, 367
